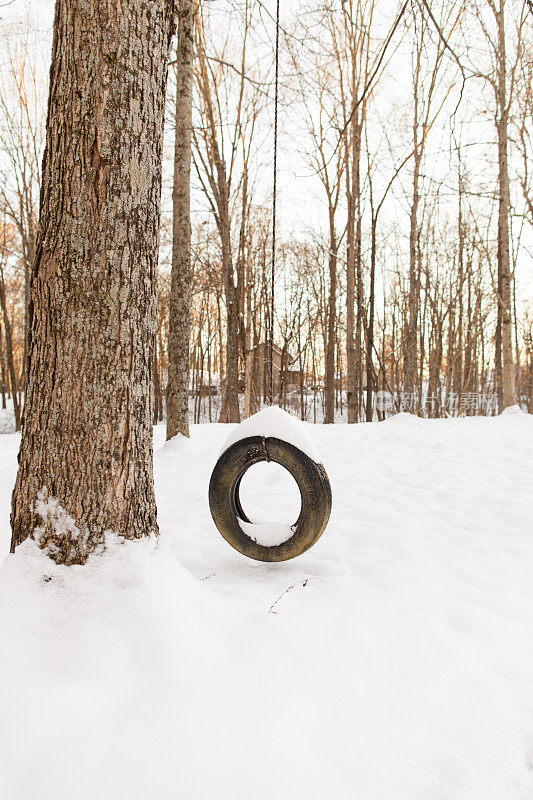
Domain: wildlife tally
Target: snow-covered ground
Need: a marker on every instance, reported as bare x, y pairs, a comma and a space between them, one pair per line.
7, 419
393, 661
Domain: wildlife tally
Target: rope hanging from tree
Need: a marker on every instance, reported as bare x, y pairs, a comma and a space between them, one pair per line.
274, 197
310, 475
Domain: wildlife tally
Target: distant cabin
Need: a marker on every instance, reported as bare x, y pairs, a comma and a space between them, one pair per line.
286, 372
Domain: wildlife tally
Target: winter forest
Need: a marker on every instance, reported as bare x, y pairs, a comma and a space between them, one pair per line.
404, 219
226, 225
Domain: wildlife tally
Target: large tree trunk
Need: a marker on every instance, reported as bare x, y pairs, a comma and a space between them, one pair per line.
504, 268
85, 462
180, 290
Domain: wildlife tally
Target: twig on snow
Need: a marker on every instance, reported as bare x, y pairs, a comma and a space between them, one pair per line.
304, 583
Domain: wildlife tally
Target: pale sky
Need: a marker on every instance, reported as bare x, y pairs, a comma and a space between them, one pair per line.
300, 196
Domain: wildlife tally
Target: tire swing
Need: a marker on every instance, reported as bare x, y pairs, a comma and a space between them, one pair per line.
259, 438
240, 453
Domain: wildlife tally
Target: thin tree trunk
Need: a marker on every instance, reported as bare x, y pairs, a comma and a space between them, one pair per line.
220, 346
230, 405
458, 366
221, 189
353, 256
209, 379
9, 353
370, 332
530, 405
249, 383
85, 462
504, 269
517, 370
330, 344
3, 374
28, 257
412, 319
180, 289
158, 401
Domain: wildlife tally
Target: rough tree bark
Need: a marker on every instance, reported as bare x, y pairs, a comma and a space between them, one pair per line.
85, 462
180, 289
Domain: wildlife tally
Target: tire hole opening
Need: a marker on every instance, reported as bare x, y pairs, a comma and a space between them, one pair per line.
269, 494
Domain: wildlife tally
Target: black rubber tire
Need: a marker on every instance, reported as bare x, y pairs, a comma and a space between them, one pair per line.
225, 504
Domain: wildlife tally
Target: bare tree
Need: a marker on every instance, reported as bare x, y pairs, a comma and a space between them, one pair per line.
321, 90
524, 128
504, 266
426, 74
21, 141
230, 100
180, 291
502, 77
358, 18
